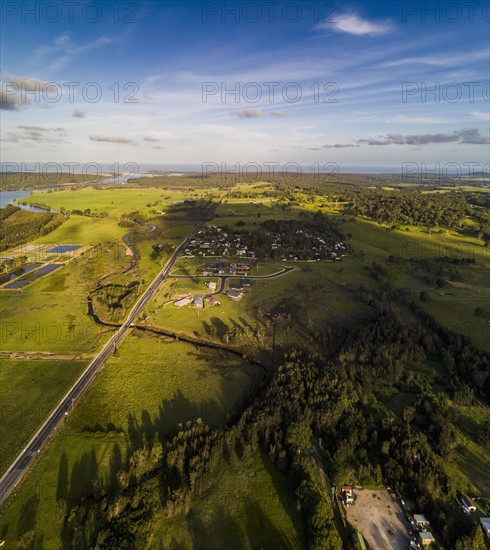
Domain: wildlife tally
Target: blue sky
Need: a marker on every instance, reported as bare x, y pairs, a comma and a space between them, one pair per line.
237, 82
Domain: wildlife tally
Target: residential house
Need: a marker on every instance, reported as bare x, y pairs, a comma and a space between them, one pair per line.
421, 521
426, 538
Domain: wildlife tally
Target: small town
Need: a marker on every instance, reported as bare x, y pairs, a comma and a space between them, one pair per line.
288, 241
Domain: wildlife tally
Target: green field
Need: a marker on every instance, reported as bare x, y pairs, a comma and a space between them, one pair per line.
154, 386
314, 293
29, 390
148, 390
250, 505
83, 230
51, 314
114, 200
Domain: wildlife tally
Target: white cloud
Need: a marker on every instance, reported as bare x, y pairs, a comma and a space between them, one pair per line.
353, 24
481, 115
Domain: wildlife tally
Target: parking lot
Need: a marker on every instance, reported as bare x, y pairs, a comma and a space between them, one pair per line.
380, 519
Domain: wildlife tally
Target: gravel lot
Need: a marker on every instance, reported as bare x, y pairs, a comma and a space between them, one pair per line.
380, 519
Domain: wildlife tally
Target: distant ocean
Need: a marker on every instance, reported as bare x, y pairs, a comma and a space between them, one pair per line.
179, 168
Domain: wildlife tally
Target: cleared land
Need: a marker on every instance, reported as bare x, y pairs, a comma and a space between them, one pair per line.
154, 385
29, 389
249, 506
148, 391
380, 519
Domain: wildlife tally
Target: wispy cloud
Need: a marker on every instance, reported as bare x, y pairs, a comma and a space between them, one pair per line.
340, 145
442, 60
257, 113
468, 136
351, 23
403, 119
249, 113
151, 139
63, 50
481, 115
112, 139
36, 134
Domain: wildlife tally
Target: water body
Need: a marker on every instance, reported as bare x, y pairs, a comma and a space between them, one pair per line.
63, 248
31, 277
134, 250
17, 272
9, 197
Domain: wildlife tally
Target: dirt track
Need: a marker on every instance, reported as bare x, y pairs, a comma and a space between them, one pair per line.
374, 514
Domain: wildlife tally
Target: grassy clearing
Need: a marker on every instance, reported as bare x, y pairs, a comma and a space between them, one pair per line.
469, 463
313, 293
455, 308
29, 390
454, 304
172, 381
250, 505
146, 391
51, 313
83, 230
112, 200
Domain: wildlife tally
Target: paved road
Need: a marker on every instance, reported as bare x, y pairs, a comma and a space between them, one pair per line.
24, 460
223, 278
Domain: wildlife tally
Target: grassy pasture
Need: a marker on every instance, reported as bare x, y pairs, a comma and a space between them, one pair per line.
51, 314
250, 505
112, 200
29, 389
150, 387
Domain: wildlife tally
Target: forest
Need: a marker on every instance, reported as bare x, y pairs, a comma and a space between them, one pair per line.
19, 226
33, 180
311, 397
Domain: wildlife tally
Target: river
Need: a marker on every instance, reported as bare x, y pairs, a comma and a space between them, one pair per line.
10, 197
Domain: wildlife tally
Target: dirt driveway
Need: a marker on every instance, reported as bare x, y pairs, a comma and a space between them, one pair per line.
380, 519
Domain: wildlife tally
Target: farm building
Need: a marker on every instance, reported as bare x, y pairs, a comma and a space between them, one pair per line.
182, 302
198, 302
348, 494
426, 538
212, 301
421, 520
236, 295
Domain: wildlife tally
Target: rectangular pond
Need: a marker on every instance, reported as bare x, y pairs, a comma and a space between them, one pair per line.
31, 277
6, 277
63, 248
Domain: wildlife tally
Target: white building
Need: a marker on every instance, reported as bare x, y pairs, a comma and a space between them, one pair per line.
182, 302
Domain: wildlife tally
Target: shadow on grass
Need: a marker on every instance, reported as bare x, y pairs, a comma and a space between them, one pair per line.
220, 328
27, 517
174, 415
284, 487
221, 533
